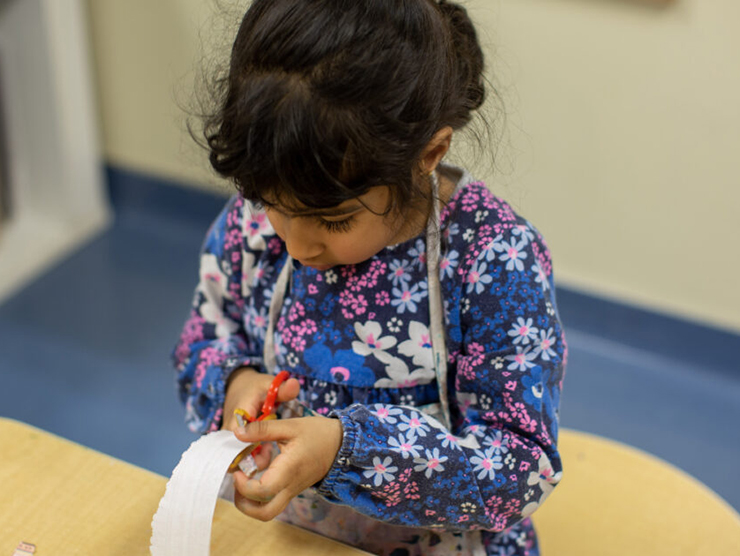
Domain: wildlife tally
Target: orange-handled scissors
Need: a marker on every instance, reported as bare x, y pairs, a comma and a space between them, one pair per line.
267, 412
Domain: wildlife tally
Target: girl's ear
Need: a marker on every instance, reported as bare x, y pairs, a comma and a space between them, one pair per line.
435, 150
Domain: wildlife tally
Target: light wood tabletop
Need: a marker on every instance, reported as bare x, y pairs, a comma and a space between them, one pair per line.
614, 500
70, 500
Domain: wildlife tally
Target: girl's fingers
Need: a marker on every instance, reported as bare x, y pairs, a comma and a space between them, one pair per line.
265, 431
288, 390
262, 490
264, 511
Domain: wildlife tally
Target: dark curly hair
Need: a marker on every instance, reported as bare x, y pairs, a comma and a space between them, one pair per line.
325, 99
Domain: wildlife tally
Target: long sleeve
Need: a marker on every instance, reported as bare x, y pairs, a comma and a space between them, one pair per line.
506, 351
214, 341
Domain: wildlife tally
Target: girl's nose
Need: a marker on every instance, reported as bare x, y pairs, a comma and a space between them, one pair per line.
301, 246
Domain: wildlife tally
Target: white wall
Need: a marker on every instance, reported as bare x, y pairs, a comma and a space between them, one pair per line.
623, 131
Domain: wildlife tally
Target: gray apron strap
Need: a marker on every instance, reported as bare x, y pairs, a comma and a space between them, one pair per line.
436, 308
276, 304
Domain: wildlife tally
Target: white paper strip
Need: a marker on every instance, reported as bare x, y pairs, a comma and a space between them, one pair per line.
182, 524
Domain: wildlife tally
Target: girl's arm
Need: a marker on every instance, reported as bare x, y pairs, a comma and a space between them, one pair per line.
499, 461
213, 342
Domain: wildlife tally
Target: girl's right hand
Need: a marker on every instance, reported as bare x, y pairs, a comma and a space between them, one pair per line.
247, 389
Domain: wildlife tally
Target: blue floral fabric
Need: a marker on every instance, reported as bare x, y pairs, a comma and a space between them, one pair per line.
357, 337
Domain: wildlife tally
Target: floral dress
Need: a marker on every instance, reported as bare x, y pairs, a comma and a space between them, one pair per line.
357, 338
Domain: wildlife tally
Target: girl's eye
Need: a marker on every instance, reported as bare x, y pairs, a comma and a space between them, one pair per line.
337, 226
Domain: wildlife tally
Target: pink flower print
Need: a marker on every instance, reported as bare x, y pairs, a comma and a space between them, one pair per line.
470, 200
429, 513
232, 238
489, 201
411, 490
200, 373
312, 289
274, 245
382, 298
511, 385
256, 224
296, 311
359, 304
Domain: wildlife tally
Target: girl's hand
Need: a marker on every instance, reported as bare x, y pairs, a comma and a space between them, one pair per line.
308, 447
247, 390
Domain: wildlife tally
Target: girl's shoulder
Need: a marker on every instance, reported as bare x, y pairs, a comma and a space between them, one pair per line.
477, 223
474, 209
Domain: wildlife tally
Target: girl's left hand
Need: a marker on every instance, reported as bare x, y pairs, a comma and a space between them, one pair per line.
308, 447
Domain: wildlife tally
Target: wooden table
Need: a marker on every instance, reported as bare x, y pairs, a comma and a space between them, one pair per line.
615, 500
70, 500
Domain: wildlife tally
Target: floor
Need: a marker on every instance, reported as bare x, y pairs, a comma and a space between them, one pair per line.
84, 353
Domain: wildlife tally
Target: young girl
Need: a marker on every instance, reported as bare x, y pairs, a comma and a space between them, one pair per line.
413, 309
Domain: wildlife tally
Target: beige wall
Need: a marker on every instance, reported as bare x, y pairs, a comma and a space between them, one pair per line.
622, 145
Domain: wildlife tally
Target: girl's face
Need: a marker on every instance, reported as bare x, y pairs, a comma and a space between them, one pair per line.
349, 233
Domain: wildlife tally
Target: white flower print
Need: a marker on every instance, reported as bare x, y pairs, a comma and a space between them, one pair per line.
386, 414
413, 423
543, 344
248, 273
371, 341
394, 325
522, 360
405, 445
512, 252
381, 471
398, 375
522, 331
406, 298
330, 276
292, 359
399, 271
431, 464
477, 278
469, 234
546, 478
486, 463
330, 398
419, 345
214, 286
480, 216
498, 362
213, 280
